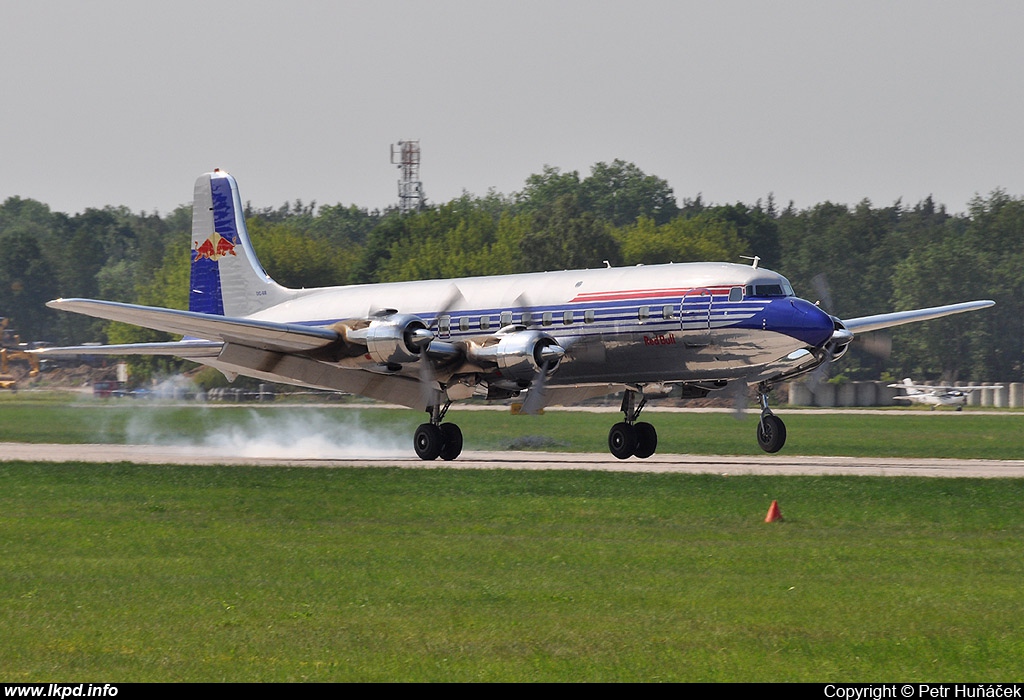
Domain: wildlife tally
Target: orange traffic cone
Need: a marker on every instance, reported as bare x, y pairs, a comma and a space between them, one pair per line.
773, 513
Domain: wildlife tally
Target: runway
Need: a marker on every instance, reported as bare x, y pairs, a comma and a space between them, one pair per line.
782, 465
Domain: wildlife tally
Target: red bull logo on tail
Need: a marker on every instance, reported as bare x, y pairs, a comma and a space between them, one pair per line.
214, 248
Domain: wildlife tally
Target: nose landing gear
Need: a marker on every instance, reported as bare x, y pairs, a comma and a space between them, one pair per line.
771, 431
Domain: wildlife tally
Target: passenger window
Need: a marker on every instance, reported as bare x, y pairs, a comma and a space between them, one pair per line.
485, 322
644, 313
567, 318
527, 318
506, 318
588, 316
666, 313
547, 318
464, 323
444, 325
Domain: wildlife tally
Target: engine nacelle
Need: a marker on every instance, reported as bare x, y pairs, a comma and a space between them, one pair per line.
520, 356
395, 339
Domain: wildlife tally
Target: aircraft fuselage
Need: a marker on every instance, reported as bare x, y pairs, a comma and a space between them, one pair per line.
659, 323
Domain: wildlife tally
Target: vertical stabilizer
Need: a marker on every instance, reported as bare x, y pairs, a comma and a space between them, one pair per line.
910, 389
227, 278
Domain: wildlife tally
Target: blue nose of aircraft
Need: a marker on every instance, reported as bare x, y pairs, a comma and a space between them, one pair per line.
809, 323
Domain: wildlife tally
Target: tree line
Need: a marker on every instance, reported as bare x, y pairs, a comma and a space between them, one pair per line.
857, 260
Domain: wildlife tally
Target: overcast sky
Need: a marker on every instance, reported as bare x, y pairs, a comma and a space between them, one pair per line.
125, 103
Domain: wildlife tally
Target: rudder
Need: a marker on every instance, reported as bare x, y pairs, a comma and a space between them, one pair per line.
227, 278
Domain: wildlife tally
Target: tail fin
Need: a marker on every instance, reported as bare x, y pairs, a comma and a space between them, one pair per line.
910, 389
227, 278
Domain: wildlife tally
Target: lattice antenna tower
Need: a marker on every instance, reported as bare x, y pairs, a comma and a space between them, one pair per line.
406, 155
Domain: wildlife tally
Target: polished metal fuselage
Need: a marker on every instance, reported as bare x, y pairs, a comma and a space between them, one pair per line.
686, 322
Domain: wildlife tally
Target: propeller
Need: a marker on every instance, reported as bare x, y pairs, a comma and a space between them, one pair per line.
878, 343
537, 396
549, 357
422, 338
740, 398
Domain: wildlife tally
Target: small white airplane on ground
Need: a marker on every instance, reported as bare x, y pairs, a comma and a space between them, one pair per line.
938, 395
559, 336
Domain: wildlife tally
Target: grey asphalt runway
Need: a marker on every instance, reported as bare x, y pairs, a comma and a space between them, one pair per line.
661, 463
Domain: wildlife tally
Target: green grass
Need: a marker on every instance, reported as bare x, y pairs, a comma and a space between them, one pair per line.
130, 573
895, 434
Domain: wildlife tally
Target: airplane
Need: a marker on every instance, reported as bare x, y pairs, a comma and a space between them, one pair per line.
560, 337
938, 395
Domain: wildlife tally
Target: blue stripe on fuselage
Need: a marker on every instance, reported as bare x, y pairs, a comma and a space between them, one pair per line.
791, 316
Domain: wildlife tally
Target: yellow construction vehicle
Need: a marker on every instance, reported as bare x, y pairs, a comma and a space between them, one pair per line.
12, 349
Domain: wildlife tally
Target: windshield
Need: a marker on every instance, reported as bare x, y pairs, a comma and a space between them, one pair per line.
781, 288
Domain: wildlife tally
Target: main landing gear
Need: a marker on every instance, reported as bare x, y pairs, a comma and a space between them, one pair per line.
771, 431
435, 439
629, 438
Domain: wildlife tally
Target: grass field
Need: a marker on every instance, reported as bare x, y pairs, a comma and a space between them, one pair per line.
129, 573
897, 433
118, 573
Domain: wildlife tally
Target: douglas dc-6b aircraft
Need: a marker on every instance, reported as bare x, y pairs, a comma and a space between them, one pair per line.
558, 336
938, 395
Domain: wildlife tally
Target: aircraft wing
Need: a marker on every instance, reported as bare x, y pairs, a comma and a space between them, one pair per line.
866, 324
265, 335
187, 349
235, 346
919, 387
932, 388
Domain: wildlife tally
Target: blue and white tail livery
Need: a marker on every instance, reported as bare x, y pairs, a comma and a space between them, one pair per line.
557, 336
227, 278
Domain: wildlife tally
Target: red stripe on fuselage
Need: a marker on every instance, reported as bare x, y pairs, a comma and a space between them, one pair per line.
647, 293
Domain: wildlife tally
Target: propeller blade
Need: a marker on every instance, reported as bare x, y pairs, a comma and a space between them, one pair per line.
740, 398
429, 389
422, 338
537, 395
454, 297
820, 284
878, 344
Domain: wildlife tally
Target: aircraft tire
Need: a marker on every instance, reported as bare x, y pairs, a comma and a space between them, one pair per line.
646, 440
622, 440
451, 436
771, 433
428, 442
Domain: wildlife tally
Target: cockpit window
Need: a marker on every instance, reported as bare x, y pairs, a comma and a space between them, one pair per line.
782, 289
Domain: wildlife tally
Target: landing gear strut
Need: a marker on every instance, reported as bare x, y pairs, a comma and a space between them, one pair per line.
771, 431
629, 438
434, 439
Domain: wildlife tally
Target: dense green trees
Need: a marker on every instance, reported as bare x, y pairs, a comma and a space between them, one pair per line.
874, 259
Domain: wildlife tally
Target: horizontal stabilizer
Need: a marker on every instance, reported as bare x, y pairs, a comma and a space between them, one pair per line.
267, 335
187, 349
866, 324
